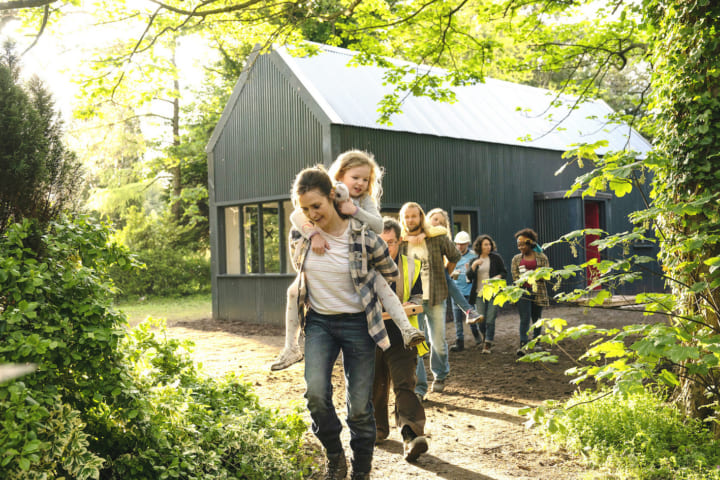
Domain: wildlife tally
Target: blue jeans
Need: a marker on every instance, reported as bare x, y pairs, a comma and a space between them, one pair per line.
434, 328
459, 317
529, 313
325, 337
489, 309
455, 293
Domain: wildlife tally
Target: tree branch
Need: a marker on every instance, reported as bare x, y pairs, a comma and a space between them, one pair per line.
19, 4
46, 15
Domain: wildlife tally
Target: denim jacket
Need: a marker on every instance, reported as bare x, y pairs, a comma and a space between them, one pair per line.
369, 256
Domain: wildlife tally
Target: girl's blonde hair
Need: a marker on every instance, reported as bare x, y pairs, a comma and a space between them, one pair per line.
358, 158
445, 216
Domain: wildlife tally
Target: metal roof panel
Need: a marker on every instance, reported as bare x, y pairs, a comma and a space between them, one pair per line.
495, 111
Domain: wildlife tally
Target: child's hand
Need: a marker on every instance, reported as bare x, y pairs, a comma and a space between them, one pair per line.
318, 244
348, 207
415, 239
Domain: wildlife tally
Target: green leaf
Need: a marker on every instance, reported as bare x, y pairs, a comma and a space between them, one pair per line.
669, 378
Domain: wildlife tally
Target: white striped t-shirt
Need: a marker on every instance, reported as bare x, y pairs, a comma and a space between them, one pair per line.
330, 286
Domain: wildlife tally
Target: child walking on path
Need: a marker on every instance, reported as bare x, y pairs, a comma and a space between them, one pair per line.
357, 192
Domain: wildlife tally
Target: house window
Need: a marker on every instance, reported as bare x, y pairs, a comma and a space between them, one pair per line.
256, 238
232, 240
271, 237
463, 221
251, 227
287, 211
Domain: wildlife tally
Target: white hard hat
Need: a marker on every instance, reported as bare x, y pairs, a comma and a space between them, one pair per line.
462, 237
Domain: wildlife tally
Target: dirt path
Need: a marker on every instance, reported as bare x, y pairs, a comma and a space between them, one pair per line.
474, 427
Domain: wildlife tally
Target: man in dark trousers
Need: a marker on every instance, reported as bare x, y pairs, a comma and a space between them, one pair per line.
397, 363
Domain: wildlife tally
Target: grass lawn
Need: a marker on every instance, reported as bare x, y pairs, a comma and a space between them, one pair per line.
192, 307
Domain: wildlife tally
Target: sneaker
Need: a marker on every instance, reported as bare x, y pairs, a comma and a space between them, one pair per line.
286, 358
415, 447
458, 347
487, 348
438, 386
522, 351
472, 316
380, 438
412, 336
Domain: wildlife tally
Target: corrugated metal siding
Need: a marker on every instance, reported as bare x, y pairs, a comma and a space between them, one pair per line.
253, 299
270, 135
651, 282
446, 173
553, 219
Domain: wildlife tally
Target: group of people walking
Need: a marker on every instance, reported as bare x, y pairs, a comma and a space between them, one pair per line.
361, 281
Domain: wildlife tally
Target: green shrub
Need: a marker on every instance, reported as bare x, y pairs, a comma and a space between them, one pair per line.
638, 436
172, 264
105, 403
166, 272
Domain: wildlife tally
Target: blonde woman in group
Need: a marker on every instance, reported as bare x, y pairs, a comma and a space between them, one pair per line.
462, 309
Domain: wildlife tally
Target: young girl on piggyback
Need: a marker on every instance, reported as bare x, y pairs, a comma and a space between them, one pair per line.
358, 193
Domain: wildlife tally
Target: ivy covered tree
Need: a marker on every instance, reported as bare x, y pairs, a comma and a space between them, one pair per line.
40, 176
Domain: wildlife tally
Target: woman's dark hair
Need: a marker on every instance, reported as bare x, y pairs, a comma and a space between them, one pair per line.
313, 178
477, 244
528, 233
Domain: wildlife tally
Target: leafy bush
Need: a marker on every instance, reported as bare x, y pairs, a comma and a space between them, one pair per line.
165, 272
105, 403
172, 266
637, 436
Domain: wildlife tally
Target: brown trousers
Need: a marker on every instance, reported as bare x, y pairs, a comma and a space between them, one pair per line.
397, 365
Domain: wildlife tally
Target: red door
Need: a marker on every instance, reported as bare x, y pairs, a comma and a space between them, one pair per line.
592, 220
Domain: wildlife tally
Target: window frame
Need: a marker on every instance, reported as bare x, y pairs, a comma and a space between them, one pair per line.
281, 203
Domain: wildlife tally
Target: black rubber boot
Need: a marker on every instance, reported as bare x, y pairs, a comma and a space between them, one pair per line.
336, 467
360, 476
458, 347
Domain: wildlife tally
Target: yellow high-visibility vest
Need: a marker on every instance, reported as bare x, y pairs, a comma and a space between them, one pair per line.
411, 270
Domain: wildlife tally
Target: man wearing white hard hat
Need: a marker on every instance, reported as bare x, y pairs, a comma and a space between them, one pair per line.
462, 242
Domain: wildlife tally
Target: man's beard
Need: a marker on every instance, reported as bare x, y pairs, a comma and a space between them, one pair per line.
415, 230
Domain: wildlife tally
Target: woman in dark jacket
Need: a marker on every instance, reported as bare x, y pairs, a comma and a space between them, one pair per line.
488, 265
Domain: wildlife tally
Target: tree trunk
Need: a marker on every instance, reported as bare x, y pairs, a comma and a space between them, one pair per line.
176, 173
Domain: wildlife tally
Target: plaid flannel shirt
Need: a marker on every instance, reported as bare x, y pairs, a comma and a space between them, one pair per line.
439, 245
369, 256
539, 290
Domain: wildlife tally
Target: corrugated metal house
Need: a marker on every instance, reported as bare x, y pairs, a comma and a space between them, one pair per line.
288, 112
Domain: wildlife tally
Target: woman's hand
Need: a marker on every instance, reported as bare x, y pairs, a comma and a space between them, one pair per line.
477, 263
348, 207
318, 244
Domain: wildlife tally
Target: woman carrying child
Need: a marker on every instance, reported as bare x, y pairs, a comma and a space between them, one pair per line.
342, 314
358, 191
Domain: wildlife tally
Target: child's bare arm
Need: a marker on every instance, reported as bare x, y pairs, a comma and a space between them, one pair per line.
308, 230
